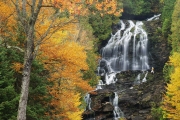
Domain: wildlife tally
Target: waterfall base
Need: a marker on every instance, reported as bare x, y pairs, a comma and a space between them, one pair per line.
135, 100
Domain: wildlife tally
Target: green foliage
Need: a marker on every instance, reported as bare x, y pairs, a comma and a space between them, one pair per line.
102, 25
175, 36
133, 7
8, 95
158, 113
167, 70
166, 16
38, 94
141, 7
102, 22
90, 74
10, 82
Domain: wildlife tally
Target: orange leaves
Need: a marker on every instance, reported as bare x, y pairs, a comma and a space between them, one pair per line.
68, 58
65, 60
7, 18
17, 66
108, 7
77, 7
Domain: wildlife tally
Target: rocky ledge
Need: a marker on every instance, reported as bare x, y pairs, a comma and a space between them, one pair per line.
134, 99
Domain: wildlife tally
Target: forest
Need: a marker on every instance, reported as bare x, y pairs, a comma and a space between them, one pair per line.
49, 52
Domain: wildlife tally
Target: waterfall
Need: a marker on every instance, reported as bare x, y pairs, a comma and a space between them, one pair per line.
126, 49
88, 101
117, 111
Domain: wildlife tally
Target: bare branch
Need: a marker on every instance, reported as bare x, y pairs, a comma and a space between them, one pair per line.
37, 10
29, 4
32, 8
16, 47
24, 8
47, 6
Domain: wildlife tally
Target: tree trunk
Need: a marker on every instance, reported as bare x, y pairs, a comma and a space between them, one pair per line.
28, 55
24, 91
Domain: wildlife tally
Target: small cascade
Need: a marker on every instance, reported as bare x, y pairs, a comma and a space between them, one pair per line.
155, 17
144, 79
117, 111
88, 101
110, 78
100, 85
137, 80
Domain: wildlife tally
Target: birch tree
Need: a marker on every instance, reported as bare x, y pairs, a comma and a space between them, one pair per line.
29, 17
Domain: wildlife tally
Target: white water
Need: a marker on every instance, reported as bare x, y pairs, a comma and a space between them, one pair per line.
88, 101
137, 80
155, 17
117, 111
125, 50
110, 78
144, 79
100, 85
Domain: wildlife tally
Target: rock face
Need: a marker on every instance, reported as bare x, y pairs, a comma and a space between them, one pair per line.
134, 100
136, 95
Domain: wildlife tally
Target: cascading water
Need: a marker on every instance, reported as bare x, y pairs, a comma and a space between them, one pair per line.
118, 56
117, 111
88, 101
126, 50
155, 17
100, 84
144, 79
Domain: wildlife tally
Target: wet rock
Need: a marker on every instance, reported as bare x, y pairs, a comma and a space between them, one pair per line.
107, 107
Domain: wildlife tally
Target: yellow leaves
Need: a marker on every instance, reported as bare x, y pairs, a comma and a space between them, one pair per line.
17, 66
172, 99
65, 60
75, 115
175, 59
108, 7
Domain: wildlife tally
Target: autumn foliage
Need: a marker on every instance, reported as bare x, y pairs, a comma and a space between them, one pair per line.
7, 19
171, 103
46, 30
65, 61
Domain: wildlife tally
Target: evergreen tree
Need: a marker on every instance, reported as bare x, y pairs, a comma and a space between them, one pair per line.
8, 95
38, 94
167, 16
